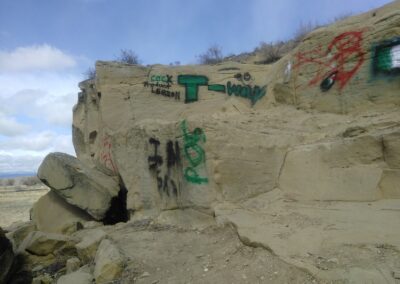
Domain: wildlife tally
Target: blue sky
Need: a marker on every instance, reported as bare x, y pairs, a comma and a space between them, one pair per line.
46, 45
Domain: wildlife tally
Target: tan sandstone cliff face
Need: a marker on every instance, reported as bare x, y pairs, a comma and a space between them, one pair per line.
318, 124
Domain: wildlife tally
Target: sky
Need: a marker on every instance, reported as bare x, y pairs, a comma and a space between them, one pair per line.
47, 45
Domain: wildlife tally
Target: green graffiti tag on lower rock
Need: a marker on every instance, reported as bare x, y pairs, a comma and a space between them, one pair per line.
193, 153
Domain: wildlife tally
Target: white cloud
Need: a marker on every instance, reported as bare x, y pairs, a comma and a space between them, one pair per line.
36, 57
19, 163
24, 154
35, 106
47, 108
10, 127
45, 141
46, 97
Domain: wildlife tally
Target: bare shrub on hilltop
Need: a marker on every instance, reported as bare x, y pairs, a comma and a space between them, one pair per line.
128, 56
90, 73
213, 55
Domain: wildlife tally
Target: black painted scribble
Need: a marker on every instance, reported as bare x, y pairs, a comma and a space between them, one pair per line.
243, 77
328, 82
162, 89
155, 160
166, 185
173, 155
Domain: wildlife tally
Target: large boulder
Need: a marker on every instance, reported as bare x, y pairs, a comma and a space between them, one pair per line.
6, 257
79, 185
63, 215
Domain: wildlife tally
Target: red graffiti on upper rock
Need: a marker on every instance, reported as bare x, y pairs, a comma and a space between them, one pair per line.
343, 57
105, 154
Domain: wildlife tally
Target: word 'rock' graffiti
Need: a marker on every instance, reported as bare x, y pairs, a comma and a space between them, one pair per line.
386, 57
161, 78
165, 183
337, 63
193, 82
106, 156
194, 153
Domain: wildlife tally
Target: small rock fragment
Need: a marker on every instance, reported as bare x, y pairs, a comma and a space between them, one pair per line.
72, 264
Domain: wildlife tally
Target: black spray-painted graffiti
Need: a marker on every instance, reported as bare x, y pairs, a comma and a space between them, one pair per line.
194, 153
160, 85
386, 58
193, 82
243, 77
166, 184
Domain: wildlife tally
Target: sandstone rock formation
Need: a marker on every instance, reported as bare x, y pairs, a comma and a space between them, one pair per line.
75, 182
301, 156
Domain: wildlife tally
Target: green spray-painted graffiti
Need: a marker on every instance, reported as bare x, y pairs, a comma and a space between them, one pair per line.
192, 83
193, 153
252, 93
386, 57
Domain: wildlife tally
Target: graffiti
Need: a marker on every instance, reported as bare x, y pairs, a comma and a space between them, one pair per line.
245, 76
165, 183
105, 154
328, 82
246, 91
217, 88
162, 89
156, 160
338, 63
386, 58
288, 71
194, 154
228, 68
161, 78
192, 83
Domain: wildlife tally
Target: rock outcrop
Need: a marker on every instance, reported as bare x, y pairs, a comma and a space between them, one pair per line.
12, 266
78, 184
302, 156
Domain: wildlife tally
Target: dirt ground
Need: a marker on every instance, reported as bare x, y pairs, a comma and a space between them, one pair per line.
167, 254
163, 253
16, 201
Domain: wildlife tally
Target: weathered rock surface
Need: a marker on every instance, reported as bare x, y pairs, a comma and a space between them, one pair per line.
13, 268
301, 156
78, 184
47, 212
42, 244
87, 247
77, 277
72, 264
109, 262
20, 232
6, 257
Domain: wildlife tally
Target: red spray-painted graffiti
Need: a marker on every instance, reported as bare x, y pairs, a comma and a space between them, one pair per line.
105, 154
338, 63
